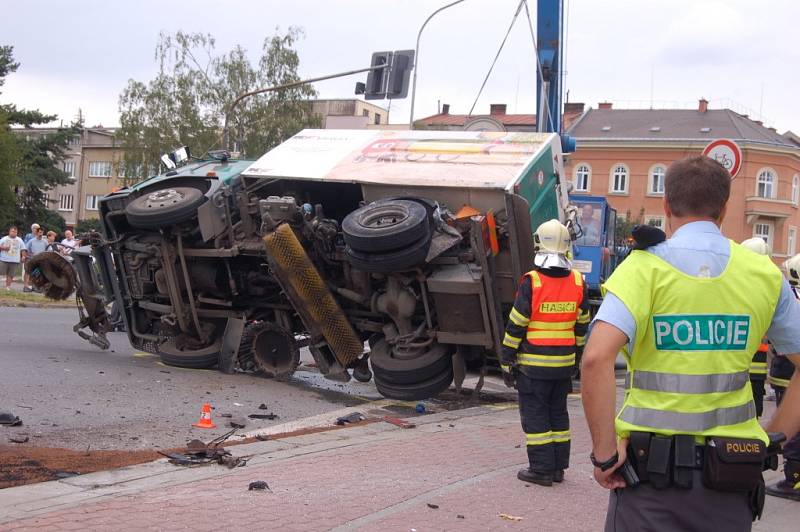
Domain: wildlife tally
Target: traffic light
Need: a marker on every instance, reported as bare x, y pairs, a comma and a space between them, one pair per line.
400, 74
377, 79
391, 81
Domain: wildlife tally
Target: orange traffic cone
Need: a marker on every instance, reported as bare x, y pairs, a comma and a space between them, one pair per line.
205, 418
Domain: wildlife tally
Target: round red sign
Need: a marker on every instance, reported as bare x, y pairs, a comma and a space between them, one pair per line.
727, 153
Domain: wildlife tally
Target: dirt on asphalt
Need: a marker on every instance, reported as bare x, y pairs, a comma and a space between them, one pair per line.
20, 464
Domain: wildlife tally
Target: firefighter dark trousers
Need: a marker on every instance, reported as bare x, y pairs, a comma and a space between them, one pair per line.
791, 449
545, 421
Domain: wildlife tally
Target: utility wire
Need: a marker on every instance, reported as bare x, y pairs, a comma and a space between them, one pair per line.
513, 20
538, 63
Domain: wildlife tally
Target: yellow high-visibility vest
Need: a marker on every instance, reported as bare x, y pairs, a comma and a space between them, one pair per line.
695, 338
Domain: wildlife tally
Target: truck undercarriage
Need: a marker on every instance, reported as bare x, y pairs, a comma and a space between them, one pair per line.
214, 267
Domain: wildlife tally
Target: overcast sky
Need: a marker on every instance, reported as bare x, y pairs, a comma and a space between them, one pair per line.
741, 54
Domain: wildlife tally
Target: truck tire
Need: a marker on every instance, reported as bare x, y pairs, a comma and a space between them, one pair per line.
403, 372
204, 358
166, 206
392, 261
415, 392
386, 225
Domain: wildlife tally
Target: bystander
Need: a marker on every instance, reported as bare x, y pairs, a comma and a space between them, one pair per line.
12, 250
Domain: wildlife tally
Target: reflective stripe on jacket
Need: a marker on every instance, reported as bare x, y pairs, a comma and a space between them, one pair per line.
758, 366
546, 324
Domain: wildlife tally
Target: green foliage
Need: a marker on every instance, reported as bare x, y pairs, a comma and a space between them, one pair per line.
29, 168
87, 225
622, 232
186, 103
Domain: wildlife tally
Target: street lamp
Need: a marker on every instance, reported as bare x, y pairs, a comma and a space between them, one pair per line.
416, 58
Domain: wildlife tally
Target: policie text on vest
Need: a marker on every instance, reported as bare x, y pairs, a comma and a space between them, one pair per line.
701, 332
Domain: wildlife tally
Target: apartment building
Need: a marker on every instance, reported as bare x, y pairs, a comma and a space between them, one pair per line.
623, 154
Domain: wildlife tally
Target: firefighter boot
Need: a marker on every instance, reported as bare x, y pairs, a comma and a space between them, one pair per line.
529, 475
788, 488
558, 475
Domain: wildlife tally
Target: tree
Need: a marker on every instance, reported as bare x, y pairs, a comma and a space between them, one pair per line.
185, 104
622, 232
29, 168
87, 225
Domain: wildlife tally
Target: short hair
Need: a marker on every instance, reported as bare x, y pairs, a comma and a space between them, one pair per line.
697, 186
35, 226
51, 233
14, 227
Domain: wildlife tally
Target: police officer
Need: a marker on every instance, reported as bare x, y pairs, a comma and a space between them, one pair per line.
780, 374
545, 330
758, 366
689, 313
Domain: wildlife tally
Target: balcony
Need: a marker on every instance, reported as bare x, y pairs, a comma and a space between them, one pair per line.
756, 207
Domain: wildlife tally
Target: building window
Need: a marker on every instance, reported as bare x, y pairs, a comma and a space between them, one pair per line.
763, 230
74, 141
796, 189
91, 202
65, 202
619, 179
69, 168
377, 119
365, 112
100, 168
766, 183
657, 174
655, 221
583, 178
791, 244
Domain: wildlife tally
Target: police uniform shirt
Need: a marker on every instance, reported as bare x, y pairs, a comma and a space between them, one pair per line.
699, 249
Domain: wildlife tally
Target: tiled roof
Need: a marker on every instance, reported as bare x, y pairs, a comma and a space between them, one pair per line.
505, 119
674, 124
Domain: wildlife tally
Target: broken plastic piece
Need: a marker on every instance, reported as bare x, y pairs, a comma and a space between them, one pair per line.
258, 485
355, 417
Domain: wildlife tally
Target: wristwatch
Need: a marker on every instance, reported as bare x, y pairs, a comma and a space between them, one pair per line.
608, 464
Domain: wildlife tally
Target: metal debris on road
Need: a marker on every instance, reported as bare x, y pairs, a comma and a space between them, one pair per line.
433, 506
398, 422
237, 423
258, 485
355, 417
198, 453
459, 516
263, 406
510, 517
9, 419
269, 416
19, 439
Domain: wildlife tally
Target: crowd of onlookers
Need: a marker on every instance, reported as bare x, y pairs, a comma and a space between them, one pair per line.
15, 251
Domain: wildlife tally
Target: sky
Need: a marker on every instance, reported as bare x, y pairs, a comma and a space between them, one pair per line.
738, 54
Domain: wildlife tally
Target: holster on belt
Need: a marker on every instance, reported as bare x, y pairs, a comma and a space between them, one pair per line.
684, 461
639, 453
659, 471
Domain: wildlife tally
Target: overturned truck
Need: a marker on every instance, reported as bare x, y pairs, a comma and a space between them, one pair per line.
392, 254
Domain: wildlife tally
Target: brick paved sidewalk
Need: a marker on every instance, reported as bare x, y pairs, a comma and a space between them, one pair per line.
372, 477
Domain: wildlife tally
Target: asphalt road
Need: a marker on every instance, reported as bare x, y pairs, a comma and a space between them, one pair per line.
70, 394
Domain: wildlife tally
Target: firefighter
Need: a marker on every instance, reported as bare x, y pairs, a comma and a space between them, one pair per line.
545, 331
688, 314
758, 366
780, 373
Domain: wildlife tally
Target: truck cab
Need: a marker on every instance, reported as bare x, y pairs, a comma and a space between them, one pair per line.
594, 250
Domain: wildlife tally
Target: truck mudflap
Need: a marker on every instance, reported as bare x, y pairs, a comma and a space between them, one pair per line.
334, 343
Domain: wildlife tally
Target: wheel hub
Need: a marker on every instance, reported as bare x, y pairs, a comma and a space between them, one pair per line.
163, 198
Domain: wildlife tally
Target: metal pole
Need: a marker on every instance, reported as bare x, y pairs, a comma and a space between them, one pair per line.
416, 59
286, 86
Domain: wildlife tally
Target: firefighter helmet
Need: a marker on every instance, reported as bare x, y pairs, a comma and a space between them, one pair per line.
757, 245
792, 267
552, 245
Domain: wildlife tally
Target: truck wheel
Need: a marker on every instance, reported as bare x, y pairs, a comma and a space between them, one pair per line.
267, 347
166, 206
386, 225
393, 261
415, 392
391, 370
204, 358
